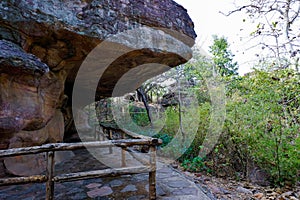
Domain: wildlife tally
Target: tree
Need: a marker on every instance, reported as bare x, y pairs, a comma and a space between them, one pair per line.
222, 57
277, 23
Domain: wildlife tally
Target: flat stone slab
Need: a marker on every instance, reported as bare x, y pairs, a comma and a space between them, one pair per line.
159, 190
100, 192
185, 191
175, 183
129, 188
93, 185
116, 183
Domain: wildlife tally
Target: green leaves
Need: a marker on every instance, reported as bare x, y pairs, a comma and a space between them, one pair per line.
262, 126
196, 164
274, 24
222, 57
266, 122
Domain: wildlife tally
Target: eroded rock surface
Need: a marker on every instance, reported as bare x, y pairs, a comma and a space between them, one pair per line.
29, 92
34, 164
63, 33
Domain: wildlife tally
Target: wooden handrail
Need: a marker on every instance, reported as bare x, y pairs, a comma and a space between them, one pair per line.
22, 180
74, 146
101, 173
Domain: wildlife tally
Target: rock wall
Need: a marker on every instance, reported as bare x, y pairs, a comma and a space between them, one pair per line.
29, 91
43, 44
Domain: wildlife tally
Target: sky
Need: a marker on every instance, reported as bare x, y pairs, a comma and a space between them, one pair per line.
209, 21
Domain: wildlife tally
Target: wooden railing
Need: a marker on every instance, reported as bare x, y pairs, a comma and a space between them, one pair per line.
50, 150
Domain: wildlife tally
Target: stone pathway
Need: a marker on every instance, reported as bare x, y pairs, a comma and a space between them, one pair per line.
171, 184
177, 186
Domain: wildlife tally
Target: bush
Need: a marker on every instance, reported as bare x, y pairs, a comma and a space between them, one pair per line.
166, 139
171, 125
262, 127
263, 124
196, 164
139, 115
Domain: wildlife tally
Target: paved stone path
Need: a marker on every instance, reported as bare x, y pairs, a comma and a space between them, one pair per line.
171, 184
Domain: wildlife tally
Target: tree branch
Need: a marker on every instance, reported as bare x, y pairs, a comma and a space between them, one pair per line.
296, 14
239, 9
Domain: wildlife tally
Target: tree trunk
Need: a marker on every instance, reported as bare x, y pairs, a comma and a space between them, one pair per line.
180, 108
142, 95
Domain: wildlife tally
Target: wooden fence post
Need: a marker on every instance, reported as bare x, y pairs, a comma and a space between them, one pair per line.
96, 134
123, 157
50, 173
152, 173
123, 151
110, 137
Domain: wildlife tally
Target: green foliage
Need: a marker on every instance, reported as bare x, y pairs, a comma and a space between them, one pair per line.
222, 57
194, 148
139, 116
166, 138
262, 126
263, 122
172, 121
197, 164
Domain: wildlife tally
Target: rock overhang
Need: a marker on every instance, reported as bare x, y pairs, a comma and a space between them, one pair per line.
45, 43
62, 34
96, 18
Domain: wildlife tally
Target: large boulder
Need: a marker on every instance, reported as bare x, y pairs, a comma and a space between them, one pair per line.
29, 92
34, 164
45, 43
